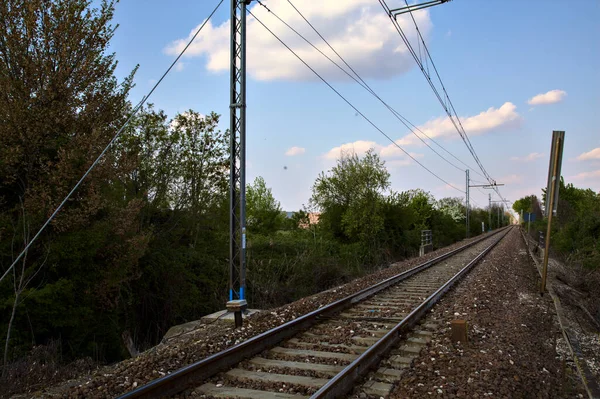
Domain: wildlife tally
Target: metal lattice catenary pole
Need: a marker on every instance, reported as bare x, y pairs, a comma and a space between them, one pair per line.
237, 176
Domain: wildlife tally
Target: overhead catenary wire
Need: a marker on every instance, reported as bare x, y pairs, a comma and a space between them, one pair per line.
360, 81
465, 137
478, 189
366, 86
108, 146
369, 88
445, 101
350, 104
419, 62
446, 96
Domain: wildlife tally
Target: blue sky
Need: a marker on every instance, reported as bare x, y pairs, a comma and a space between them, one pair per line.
495, 57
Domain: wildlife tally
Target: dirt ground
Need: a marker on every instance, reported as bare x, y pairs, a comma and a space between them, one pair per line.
576, 292
515, 347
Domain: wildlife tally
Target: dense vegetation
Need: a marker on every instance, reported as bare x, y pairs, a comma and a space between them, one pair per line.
575, 229
143, 243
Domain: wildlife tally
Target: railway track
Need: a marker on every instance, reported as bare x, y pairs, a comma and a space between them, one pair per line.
328, 353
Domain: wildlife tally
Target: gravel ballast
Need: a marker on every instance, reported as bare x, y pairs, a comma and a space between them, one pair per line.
208, 339
514, 348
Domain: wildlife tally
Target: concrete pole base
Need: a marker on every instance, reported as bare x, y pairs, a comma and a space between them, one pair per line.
237, 307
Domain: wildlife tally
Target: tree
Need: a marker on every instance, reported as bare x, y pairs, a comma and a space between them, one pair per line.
61, 104
524, 204
350, 197
181, 178
452, 207
576, 230
423, 203
401, 239
22, 275
264, 214
448, 221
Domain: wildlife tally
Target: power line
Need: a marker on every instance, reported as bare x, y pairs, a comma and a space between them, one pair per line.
478, 189
110, 143
363, 83
468, 141
366, 86
445, 101
350, 104
419, 62
446, 96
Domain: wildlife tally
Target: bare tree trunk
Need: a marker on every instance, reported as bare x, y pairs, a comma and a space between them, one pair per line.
18, 291
128, 341
19, 286
12, 317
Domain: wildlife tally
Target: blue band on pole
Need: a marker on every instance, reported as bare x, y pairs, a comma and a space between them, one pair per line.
231, 295
242, 293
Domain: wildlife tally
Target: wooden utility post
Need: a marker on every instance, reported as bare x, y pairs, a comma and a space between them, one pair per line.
558, 138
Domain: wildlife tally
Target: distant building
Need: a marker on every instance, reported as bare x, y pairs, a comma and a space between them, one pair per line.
313, 218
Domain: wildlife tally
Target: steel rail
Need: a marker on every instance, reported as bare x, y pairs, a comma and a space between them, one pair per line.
190, 375
345, 380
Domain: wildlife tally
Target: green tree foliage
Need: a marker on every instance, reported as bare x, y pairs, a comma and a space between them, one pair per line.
423, 204
60, 106
448, 221
350, 197
524, 204
263, 211
576, 232
402, 238
576, 226
356, 210
182, 179
144, 243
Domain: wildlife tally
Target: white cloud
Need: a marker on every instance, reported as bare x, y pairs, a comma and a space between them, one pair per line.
392, 150
393, 159
593, 154
527, 158
452, 186
295, 151
493, 119
359, 147
396, 163
551, 97
490, 120
510, 179
357, 29
587, 175
179, 66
